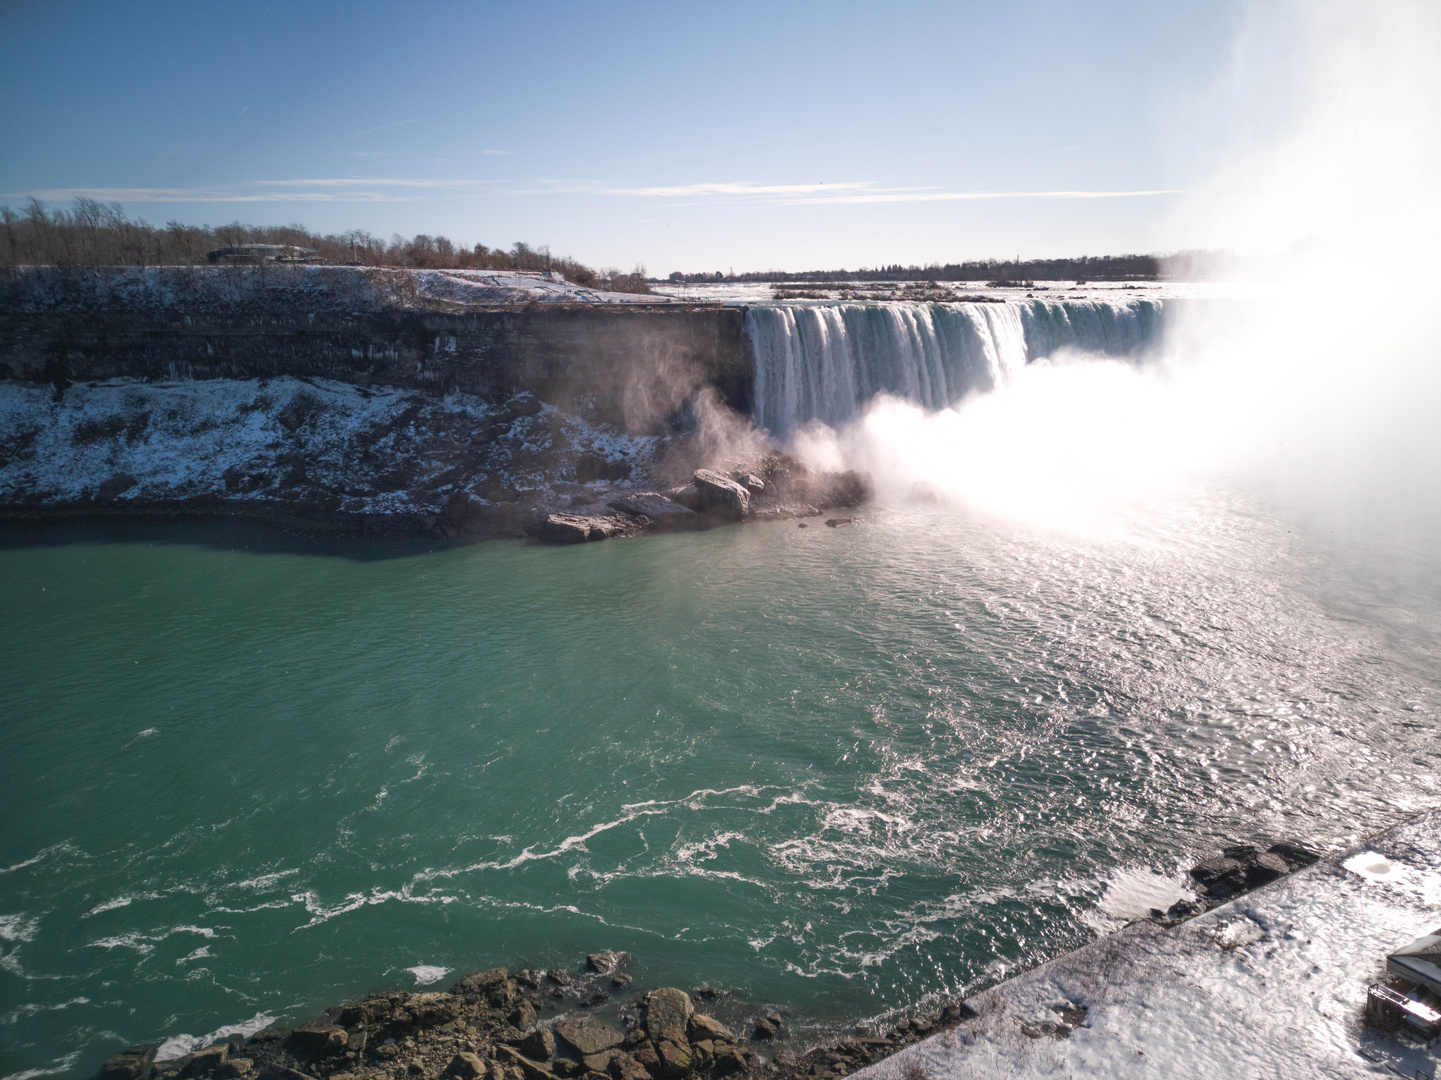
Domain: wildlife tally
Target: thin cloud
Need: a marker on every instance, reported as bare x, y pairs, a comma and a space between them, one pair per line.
496, 153
361, 181
962, 196
743, 187
195, 195
383, 127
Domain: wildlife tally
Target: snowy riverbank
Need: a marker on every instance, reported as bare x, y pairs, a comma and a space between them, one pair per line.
1271, 984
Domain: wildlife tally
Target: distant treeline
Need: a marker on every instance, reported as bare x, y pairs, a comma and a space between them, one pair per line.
99, 234
1087, 268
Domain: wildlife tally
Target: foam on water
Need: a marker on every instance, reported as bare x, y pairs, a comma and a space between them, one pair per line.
838, 770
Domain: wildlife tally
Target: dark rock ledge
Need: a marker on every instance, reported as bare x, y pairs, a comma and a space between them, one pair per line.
593, 1025
1236, 869
493, 1025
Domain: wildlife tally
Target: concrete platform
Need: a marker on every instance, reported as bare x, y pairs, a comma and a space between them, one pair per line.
1271, 985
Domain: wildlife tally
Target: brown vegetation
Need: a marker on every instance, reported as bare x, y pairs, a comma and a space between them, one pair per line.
93, 234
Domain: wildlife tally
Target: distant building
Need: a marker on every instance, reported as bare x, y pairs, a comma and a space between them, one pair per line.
264, 253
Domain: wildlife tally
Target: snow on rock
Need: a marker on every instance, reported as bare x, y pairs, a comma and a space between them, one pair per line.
1271, 984
303, 445
312, 289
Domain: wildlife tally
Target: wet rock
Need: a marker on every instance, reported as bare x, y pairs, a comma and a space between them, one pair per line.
531, 1070
646, 1055
1266, 867
205, 1061
583, 1035
603, 963
620, 982
849, 488
720, 496
1184, 909
832, 523
664, 512
319, 1038
767, 1027
752, 483
667, 1014
675, 1057
688, 495
274, 1071
625, 1067
573, 529
131, 1064
1214, 869
1295, 857
493, 985
594, 998
467, 1066
707, 1027
729, 1060
599, 1063
116, 486
590, 467
526, 404
539, 1045
958, 1011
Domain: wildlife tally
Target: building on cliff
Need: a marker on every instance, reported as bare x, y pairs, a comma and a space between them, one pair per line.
250, 254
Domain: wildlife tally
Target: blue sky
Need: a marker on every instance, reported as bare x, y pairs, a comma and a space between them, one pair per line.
681, 136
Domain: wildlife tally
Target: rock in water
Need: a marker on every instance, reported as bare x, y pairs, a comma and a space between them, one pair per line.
720, 496
667, 1014
128, 1064
1266, 867
572, 529
666, 513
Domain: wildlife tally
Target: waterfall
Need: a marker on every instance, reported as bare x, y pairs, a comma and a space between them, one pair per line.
826, 361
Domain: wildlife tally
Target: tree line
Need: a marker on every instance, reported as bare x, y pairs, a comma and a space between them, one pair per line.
1085, 268
94, 234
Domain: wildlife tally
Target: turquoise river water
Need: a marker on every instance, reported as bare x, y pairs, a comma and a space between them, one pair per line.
838, 771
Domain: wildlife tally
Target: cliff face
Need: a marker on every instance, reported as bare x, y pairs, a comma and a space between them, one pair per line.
631, 365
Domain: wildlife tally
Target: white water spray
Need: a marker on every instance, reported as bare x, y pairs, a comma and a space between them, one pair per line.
1323, 390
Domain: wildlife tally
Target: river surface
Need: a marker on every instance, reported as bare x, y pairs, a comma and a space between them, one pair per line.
840, 771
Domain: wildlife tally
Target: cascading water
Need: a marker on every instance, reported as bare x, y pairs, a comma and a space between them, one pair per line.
825, 362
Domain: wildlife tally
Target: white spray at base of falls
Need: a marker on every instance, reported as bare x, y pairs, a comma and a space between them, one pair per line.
827, 362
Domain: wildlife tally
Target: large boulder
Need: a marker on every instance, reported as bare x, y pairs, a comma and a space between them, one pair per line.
574, 529
583, 1035
129, 1064
467, 1066
666, 513
721, 496
539, 1045
676, 1057
848, 488
667, 1014
319, 1037
708, 1027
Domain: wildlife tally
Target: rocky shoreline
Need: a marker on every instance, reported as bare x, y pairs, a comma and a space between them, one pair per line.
593, 1023
331, 458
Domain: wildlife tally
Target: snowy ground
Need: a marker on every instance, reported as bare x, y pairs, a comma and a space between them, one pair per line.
309, 444
761, 292
284, 288
1269, 985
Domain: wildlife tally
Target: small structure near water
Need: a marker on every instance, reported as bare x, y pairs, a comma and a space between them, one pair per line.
1413, 997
